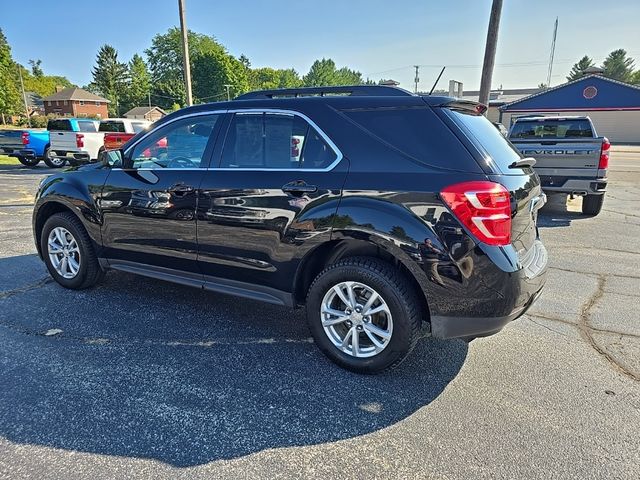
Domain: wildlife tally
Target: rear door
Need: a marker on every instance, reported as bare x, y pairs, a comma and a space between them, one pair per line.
272, 197
149, 204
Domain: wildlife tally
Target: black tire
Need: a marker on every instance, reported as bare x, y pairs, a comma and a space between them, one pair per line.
53, 162
89, 272
399, 295
29, 162
592, 204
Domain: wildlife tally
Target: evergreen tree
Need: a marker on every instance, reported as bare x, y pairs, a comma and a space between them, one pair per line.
110, 78
324, 73
139, 87
577, 71
618, 66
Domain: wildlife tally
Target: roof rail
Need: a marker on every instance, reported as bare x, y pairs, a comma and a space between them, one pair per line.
353, 90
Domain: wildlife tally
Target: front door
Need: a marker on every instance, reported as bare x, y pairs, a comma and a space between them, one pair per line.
149, 204
271, 199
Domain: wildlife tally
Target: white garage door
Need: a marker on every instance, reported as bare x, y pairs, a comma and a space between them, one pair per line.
618, 126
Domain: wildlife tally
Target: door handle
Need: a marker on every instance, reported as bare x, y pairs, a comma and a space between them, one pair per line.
299, 187
181, 188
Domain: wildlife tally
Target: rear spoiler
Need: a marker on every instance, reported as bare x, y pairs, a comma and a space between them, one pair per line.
465, 106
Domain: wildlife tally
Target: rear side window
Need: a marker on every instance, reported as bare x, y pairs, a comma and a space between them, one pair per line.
84, 126
274, 141
59, 125
115, 127
552, 129
487, 138
417, 133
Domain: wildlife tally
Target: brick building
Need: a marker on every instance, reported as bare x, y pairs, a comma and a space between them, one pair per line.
76, 102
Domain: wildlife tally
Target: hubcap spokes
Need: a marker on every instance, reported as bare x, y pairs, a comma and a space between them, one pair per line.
64, 252
356, 319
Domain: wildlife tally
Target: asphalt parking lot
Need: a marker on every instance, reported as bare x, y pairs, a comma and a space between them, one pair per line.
143, 379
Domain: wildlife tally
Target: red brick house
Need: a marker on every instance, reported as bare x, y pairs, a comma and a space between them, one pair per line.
76, 102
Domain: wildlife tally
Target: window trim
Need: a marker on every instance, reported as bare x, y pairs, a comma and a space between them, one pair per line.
279, 111
324, 136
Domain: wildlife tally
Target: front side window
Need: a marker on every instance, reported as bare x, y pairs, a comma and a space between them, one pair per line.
180, 144
274, 141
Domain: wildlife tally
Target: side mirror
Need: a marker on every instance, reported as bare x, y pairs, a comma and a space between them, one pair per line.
112, 158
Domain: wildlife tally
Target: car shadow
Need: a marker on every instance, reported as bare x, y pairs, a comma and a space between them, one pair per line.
143, 368
556, 213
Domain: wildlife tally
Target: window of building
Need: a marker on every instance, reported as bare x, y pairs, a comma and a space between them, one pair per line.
81, 102
64, 103
97, 104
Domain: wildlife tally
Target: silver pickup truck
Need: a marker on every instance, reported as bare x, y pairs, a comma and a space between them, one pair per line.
570, 157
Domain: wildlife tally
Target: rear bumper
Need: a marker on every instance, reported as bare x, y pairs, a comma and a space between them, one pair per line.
513, 294
28, 153
577, 185
74, 158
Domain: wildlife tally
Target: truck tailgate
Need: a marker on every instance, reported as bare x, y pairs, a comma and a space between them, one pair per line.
63, 141
563, 157
10, 140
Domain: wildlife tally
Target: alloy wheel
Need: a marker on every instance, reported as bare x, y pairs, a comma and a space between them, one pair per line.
356, 319
64, 252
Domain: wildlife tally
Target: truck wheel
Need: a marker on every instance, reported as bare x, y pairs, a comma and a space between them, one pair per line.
68, 252
592, 204
29, 162
53, 162
363, 314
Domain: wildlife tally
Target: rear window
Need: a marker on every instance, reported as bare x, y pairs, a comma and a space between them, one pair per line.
138, 127
115, 127
488, 138
59, 125
85, 126
553, 129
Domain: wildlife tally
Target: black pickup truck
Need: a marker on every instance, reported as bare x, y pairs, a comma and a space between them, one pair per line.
570, 156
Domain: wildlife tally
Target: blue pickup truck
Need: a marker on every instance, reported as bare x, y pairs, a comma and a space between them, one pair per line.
28, 146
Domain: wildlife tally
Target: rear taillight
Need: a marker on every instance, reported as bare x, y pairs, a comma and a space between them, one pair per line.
484, 208
25, 138
79, 140
604, 154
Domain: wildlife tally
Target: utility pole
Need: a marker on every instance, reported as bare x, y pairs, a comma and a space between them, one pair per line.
417, 79
24, 97
228, 86
149, 95
490, 52
185, 52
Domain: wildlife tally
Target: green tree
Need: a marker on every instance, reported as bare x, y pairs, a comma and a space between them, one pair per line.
618, 65
211, 65
269, 78
10, 101
324, 73
139, 87
36, 68
110, 77
635, 79
579, 67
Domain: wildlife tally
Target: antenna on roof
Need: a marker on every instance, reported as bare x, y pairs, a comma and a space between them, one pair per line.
437, 80
553, 51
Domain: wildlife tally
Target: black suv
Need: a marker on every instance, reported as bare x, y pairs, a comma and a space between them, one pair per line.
385, 214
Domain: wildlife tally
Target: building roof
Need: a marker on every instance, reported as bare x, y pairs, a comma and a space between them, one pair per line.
143, 111
502, 96
591, 92
34, 100
75, 93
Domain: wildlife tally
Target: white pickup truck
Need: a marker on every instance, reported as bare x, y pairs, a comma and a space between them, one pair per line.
80, 140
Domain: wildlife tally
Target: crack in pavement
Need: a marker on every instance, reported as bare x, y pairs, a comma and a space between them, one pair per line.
594, 274
585, 330
574, 324
32, 286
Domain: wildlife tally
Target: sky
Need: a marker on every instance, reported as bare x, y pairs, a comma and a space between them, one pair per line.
379, 38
